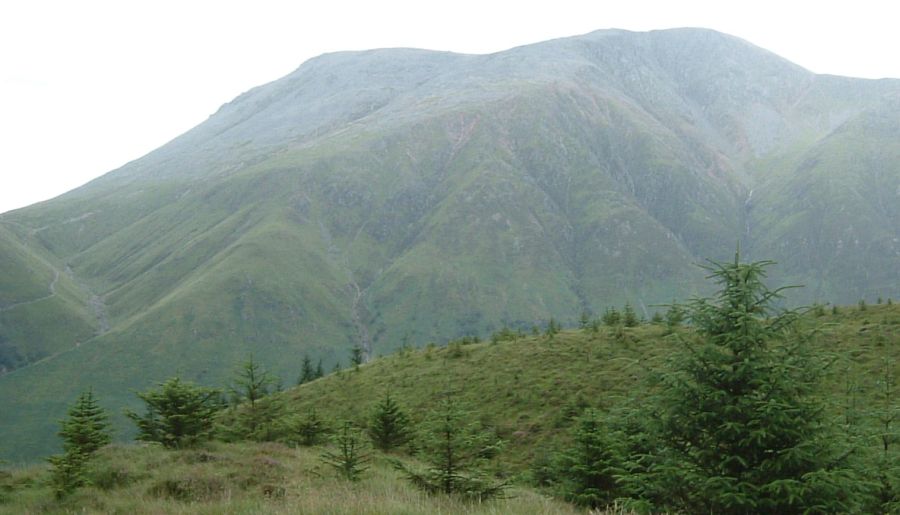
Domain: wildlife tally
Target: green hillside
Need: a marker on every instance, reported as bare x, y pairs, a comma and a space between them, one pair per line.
527, 390
43, 311
389, 196
244, 479
835, 210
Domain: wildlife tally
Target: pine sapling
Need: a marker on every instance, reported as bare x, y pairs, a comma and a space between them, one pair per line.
389, 427
349, 458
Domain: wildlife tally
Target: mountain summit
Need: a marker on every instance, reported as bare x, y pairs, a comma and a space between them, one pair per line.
398, 196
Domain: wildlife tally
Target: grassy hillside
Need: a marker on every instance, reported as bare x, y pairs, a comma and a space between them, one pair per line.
43, 311
530, 389
526, 390
245, 479
832, 216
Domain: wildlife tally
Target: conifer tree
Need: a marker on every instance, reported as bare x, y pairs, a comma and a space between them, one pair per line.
629, 317
450, 446
67, 473
320, 372
611, 317
83, 432
307, 372
553, 328
308, 430
674, 316
349, 459
178, 414
87, 428
357, 356
585, 473
253, 382
734, 428
255, 419
389, 427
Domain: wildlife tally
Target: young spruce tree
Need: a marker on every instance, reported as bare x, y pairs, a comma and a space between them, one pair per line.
87, 427
307, 372
256, 416
320, 372
178, 414
357, 356
585, 473
629, 317
451, 447
252, 383
734, 427
611, 317
389, 426
83, 432
349, 459
308, 430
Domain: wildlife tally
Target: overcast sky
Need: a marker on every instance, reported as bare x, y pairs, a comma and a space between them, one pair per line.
86, 85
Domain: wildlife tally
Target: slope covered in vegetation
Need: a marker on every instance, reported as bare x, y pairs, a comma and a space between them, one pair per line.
525, 392
244, 478
371, 198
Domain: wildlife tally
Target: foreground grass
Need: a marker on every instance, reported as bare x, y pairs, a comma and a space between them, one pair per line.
245, 478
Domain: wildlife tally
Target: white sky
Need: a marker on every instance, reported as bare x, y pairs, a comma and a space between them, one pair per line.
88, 85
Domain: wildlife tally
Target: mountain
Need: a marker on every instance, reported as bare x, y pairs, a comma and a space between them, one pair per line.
400, 196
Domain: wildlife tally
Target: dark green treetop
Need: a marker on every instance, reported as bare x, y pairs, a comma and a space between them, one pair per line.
307, 372
611, 317
178, 413
452, 447
629, 317
734, 426
83, 432
320, 371
357, 355
86, 429
585, 473
308, 430
389, 427
254, 419
252, 382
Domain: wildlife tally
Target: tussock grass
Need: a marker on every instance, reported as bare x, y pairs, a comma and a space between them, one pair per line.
246, 479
